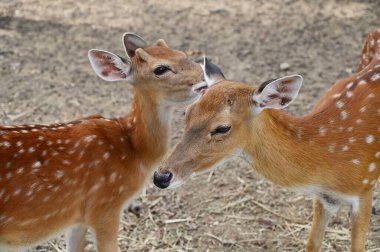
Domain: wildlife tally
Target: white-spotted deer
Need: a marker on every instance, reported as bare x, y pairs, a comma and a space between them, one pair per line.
80, 174
333, 152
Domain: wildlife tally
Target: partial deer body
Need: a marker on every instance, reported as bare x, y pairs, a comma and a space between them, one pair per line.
80, 174
333, 152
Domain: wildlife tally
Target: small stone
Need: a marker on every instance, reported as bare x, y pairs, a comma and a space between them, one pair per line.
284, 66
15, 65
349, 70
219, 11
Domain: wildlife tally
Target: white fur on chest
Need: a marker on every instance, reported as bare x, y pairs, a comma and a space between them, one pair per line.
339, 198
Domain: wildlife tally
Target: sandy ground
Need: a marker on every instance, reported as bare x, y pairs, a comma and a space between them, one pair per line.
45, 77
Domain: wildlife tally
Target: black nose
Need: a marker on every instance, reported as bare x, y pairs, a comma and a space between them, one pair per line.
162, 180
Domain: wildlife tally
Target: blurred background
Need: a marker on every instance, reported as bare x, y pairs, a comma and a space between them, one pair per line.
45, 77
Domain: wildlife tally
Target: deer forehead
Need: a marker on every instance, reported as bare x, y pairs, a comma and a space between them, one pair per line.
226, 94
159, 52
219, 104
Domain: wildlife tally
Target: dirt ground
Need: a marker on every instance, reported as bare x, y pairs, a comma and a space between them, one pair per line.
45, 77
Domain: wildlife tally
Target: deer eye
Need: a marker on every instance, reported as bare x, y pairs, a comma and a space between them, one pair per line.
160, 70
223, 129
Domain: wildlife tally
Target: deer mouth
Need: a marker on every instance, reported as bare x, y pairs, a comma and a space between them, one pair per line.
199, 87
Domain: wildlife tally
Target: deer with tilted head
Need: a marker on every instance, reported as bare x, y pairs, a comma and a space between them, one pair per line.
332, 153
79, 175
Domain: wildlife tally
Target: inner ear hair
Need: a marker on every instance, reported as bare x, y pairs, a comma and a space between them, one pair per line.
263, 85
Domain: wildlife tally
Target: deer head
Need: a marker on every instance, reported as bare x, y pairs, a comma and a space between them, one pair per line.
157, 70
221, 121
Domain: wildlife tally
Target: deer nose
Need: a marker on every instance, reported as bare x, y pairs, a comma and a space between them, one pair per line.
162, 180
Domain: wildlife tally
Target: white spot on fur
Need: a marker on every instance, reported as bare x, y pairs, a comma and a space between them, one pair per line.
377, 154
345, 148
343, 115
362, 82
6, 144
365, 181
106, 155
121, 189
331, 148
17, 192
375, 77
59, 174
371, 167
369, 139
8, 175
339, 104
337, 95
349, 129
355, 161
89, 138
363, 109
29, 193
371, 95
113, 177
352, 140
322, 131
36, 164
349, 94
349, 85
66, 162
359, 121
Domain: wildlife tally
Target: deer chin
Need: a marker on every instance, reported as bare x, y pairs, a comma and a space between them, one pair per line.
175, 184
199, 87
196, 91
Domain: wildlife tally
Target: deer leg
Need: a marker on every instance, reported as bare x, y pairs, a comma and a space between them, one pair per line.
360, 222
75, 238
106, 230
321, 217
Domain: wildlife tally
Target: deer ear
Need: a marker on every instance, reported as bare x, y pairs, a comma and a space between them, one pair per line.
212, 74
132, 42
161, 42
108, 66
143, 55
277, 94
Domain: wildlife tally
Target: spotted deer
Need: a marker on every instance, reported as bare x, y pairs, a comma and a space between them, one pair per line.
79, 175
332, 153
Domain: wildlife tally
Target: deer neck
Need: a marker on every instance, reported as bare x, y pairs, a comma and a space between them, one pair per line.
286, 149
149, 125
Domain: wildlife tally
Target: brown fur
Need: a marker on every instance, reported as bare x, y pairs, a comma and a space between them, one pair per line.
82, 173
319, 149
